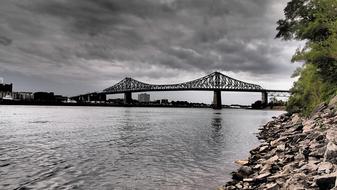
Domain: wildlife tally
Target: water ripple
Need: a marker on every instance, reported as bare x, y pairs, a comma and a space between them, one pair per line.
123, 148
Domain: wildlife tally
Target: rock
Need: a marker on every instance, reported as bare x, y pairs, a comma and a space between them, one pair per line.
274, 143
325, 167
320, 137
307, 128
265, 168
296, 119
262, 177
263, 148
330, 153
329, 121
298, 127
236, 176
272, 178
281, 147
241, 162
272, 186
331, 135
326, 181
318, 153
257, 166
238, 186
310, 166
275, 168
245, 170
271, 160
248, 180
297, 153
318, 109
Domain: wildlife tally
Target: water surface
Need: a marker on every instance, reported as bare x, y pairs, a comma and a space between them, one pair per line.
50, 147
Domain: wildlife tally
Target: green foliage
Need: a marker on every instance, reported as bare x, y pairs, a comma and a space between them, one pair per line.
314, 21
309, 91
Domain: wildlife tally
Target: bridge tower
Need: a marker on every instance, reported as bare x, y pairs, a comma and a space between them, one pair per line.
264, 98
127, 98
217, 93
217, 99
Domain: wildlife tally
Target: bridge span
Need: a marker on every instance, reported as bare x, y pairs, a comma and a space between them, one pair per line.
215, 82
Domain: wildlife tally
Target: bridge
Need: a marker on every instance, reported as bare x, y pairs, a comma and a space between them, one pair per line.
215, 82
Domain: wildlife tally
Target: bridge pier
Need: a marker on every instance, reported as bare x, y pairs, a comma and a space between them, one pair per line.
264, 98
127, 98
217, 99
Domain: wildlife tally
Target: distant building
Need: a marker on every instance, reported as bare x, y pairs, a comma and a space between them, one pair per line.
60, 99
6, 90
164, 101
144, 97
23, 96
91, 97
44, 97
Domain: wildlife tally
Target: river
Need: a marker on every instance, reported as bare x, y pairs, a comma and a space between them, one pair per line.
54, 147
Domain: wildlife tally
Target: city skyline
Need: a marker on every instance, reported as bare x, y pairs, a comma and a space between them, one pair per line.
74, 47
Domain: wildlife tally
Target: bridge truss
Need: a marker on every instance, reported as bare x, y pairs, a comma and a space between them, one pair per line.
214, 81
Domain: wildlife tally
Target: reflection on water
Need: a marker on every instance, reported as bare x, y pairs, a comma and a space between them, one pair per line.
216, 127
123, 148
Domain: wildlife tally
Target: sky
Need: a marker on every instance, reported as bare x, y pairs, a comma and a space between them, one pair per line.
73, 47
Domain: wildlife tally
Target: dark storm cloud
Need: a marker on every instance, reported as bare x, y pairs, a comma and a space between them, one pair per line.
5, 41
104, 39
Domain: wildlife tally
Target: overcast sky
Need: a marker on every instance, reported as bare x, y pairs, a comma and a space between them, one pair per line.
78, 46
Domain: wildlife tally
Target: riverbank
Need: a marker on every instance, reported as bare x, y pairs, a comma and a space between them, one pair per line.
296, 153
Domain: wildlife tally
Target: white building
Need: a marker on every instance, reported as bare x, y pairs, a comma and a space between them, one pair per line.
144, 97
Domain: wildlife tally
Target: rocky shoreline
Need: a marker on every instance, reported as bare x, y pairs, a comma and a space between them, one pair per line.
296, 153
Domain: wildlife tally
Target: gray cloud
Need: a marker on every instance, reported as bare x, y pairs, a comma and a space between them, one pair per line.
100, 40
5, 41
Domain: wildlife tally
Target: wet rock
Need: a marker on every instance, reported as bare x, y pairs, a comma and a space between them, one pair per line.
237, 176
245, 171
241, 162
263, 148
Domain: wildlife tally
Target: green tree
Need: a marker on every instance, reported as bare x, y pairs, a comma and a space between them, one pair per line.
315, 22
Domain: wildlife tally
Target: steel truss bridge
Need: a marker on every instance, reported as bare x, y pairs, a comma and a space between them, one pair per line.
216, 82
